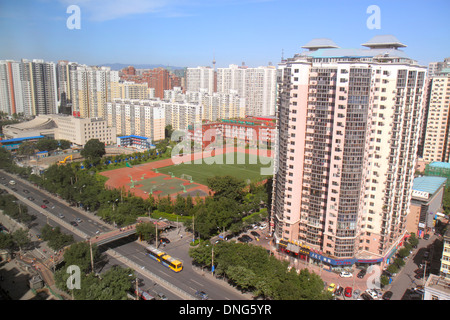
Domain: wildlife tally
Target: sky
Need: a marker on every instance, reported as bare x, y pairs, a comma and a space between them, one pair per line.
190, 33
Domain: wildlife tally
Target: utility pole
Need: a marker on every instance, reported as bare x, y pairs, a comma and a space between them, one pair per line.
156, 226
137, 292
92, 258
212, 260
193, 228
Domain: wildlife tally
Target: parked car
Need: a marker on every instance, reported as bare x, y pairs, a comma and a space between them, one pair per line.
387, 295
356, 293
373, 293
366, 296
348, 292
339, 291
346, 274
256, 234
362, 273
332, 287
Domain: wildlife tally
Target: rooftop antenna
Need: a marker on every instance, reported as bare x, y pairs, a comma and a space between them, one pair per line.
214, 61
282, 54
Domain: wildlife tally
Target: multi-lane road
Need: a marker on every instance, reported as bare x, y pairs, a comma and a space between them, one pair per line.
58, 212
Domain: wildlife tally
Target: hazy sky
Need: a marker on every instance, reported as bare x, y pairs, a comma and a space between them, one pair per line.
188, 33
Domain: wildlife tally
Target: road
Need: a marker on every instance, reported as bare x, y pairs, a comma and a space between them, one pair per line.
189, 279
405, 280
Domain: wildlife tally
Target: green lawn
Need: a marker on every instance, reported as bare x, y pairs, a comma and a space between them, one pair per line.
200, 172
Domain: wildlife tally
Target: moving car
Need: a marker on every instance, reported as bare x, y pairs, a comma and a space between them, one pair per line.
202, 295
162, 296
44, 206
73, 223
61, 216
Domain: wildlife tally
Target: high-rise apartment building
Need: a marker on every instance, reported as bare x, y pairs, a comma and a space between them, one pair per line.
137, 117
200, 79
159, 79
91, 90
435, 142
257, 85
348, 124
28, 87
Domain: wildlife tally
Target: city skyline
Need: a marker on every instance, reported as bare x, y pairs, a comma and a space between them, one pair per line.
193, 33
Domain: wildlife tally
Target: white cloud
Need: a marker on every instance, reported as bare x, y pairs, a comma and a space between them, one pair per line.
102, 10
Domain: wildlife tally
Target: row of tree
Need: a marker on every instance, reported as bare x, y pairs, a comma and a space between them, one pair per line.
250, 268
29, 148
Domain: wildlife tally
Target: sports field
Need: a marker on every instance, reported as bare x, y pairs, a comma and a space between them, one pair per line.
165, 178
200, 172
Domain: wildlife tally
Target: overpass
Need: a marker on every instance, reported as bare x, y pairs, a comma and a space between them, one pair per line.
124, 232
113, 235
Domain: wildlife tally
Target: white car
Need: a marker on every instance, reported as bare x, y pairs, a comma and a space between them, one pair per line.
345, 274
373, 293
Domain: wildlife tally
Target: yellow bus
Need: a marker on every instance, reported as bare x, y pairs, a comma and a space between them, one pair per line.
164, 258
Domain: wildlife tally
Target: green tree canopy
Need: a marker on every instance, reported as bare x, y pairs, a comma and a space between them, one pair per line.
227, 186
93, 150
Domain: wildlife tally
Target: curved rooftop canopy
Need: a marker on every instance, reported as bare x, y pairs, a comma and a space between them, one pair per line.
320, 43
384, 41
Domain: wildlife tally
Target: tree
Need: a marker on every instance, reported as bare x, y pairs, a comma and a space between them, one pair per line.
79, 254
46, 144
21, 238
64, 144
403, 252
27, 148
93, 150
146, 231
392, 268
413, 240
227, 186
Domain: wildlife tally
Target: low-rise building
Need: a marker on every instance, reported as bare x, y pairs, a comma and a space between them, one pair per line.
63, 127
437, 288
426, 201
